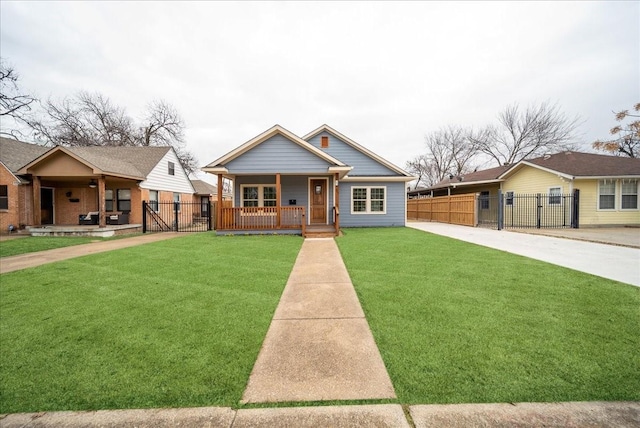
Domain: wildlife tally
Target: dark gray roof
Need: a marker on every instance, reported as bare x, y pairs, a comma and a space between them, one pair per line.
16, 154
471, 178
580, 164
203, 188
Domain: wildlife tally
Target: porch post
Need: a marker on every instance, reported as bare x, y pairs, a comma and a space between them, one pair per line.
36, 215
102, 204
219, 204
278, 210
336, 202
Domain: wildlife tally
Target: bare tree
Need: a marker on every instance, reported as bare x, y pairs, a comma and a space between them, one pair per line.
626, 141
162, 126
85, 120
449, 151
526, 133
93, 120
14, 104
421, 168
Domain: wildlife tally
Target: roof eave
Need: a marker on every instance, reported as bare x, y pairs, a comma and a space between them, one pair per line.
379, 178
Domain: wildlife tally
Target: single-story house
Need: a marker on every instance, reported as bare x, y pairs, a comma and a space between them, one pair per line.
608, 185
323, 180
72, 185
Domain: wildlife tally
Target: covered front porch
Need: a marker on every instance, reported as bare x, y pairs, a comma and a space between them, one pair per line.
280, 203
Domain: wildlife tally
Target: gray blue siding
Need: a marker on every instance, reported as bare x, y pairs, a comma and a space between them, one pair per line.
362, 164
277, 154
292, 187
396, 205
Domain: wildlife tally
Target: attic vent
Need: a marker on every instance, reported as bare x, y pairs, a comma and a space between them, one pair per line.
324, 142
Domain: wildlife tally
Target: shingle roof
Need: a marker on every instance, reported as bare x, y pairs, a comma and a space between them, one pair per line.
129, 161
484, 175
579, 164
203, 188
16, 154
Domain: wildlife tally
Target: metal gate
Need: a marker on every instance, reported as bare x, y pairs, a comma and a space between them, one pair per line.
176, 216
520, 211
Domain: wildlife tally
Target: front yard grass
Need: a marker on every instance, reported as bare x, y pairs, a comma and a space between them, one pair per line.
176, 323
31, 244
461, 323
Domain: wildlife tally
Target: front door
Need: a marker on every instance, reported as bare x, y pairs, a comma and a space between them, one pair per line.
46, 206
318, 200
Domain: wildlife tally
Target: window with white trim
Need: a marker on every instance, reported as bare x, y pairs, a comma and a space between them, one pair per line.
258, 195
508, 198
555, 195
369, 200
629, 194
172, 168
153, 200
606, 194
176, 199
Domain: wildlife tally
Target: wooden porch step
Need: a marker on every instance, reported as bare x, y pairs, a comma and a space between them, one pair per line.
320, 232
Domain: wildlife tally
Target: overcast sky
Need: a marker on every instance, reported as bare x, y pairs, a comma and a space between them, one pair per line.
383, 73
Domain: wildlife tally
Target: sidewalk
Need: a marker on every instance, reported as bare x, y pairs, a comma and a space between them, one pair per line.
23, 261
319, 346
523, 415
608, 261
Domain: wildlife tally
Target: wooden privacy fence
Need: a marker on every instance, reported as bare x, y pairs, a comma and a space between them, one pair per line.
457, 209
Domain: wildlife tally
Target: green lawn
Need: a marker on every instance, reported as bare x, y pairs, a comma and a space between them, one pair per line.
179, 323
176, 323
30, 244
457, 323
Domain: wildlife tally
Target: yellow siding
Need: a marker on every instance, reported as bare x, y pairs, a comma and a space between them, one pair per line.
591, 216
529, 180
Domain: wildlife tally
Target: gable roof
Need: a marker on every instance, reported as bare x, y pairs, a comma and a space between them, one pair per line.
129, 162
582, 165
491, 175
358, 147
217, 166
203, 188
15, 154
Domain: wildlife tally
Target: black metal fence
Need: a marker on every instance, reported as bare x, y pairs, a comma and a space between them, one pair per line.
520, 211
176, 216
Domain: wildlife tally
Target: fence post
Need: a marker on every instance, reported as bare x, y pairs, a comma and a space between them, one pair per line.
575, 212
211, 211
175, 213
144, 216
500, 210
538, 210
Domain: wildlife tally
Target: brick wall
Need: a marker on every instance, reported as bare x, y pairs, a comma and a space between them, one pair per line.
10, 215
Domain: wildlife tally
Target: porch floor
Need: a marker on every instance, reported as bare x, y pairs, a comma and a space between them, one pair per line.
93, 230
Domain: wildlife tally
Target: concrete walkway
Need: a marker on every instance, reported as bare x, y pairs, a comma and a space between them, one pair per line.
319, 346
23, 261
608, 261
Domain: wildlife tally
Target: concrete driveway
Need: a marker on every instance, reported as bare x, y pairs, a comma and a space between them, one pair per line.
608, 261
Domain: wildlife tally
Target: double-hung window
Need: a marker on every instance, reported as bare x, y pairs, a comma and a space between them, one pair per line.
368, 200
176, 200
108, 200
124, 200
153, 200
258, 195
607, 195
555, 195
629, 195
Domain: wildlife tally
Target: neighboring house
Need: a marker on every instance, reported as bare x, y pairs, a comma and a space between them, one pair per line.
66, 183
323, 179
608, 185
205, 193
